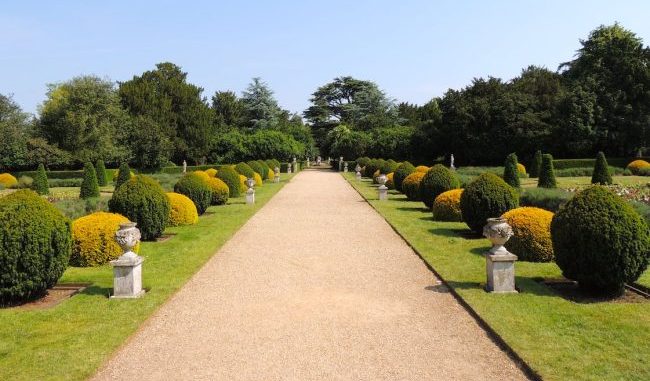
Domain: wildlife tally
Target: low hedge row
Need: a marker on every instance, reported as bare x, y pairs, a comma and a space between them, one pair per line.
620, 162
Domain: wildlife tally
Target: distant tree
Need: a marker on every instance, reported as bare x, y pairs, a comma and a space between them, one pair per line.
150, 144
601, 173
40, 185
14, 125
536, 165
89, 186
227, 108
260, 108
510, 172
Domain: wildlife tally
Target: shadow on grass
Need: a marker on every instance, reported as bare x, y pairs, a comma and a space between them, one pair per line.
412, 209
462, 233
97, 291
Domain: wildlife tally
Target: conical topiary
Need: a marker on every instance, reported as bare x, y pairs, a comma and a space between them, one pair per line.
547, 173
510, 172
40, 181
123, 175
601, 173
102, 180
89, 187
535, 167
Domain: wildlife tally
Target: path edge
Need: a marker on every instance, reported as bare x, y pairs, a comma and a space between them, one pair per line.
492, 334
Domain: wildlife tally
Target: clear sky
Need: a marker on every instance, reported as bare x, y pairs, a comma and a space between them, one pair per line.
414, 50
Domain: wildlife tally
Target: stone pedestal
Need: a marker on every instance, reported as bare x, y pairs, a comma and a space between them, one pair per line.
127, 277
345, 167
250, 196
500, 270
358, 175
276, 179
288, 168
383, 192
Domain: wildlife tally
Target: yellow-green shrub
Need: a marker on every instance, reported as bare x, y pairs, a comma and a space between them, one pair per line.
242, 184
446, 207
521, 169
7, 180
422, 168
411, 185
211, 172
183, 211
532, 234
220, 191
258, 179
637, 165
204, 175
93, 239
375, 175
271, 174
389, 180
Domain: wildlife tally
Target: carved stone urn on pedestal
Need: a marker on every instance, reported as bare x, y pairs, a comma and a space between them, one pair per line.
499, 262
127, 269
383, 189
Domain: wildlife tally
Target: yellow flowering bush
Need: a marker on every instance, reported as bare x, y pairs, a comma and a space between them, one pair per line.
389, 180
258, 179
242, 184
211, 172
637, 165
422, 168
183, 211
271, 175
411, 185
7, 180
532, 234
204, 176
93, 239
220, 191
446, 207
521, 169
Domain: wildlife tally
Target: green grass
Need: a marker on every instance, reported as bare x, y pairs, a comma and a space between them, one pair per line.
559, 339
71, 340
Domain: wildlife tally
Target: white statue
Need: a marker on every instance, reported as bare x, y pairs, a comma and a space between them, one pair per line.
184, 166
452, 162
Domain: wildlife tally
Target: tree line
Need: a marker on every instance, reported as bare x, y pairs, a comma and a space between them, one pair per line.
599, 101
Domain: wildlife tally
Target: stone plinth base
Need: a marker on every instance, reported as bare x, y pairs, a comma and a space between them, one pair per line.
127, 277
500, 269
383, 192
250, 196
358, 175
276, 179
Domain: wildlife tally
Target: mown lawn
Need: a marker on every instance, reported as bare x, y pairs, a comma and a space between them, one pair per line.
70, 341
559, 339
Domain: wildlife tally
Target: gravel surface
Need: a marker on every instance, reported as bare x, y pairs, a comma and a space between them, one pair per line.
316, 286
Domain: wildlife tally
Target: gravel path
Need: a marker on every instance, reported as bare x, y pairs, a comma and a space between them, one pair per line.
316, 286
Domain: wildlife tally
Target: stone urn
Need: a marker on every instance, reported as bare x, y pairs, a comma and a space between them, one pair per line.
127, 269
382, 179
128, 237
498, 232
250, 182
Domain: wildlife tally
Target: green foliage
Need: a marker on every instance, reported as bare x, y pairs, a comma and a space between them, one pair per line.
142, 200
388, 166
89, 186
437, 180
372, 167
231, 178
272, 163
536, 165
102, 177
258, 168
196, 189
600, 241
486, 197
123, 174
549, 199
401, 172
245, 169
547, 173
510, 172
265, 169
35, 246
40, 184
151, 147
235, 146
601, 173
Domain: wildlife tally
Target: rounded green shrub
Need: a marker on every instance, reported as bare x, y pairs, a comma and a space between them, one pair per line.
89, 186
258, 169
231, 178
197, 189
272, 163
245, 169
437, 180
511, 172
601, 173
388, 166
411, 185
486, 197
371, 168
123, 175
220, 191
547, 173
40, 185
402, 171
35, 246
600, 241
102, 178
536, 165
362, 161
142, 200
266, 169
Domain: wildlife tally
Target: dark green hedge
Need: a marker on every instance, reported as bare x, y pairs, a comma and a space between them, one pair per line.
231, 178
620, 162
197, 190
486, 197
438, 179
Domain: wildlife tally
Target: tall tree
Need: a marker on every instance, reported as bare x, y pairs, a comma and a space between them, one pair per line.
227, 109
14, 125
261, 110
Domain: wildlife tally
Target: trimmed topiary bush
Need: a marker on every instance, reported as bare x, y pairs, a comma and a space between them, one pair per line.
637, 166
35, 246
521, 169
536, 166
245, 169
257, 168
388, 167
89, 186
390, 182
195, 186
182, 210
242, 184
40, 185
123, 175
142, 200
231, 178
446, 207
438, 179
401, 172
411, 185
486, 197
220, 191
370, 168
102, 178
510, 172
601, 173
93, 239
265, 169
600, 241
547, 173
422, 168
531, 241
211, 172
7, 180
258, 179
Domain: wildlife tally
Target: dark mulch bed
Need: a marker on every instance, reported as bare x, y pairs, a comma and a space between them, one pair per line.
54, 296
570, 290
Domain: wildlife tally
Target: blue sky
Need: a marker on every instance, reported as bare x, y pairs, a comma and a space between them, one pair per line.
414, 50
